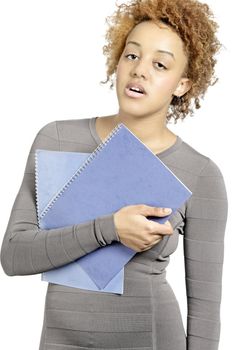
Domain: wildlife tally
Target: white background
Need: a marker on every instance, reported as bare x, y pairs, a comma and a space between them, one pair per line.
51, 64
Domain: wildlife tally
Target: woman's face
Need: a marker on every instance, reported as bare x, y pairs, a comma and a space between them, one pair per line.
153, 59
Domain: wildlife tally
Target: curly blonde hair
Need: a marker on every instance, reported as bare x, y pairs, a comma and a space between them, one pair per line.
192, 21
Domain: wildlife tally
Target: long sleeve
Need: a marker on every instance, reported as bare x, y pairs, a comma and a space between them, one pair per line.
28, 250
206, 217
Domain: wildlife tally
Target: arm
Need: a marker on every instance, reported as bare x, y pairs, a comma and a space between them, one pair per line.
28, 250
203, 251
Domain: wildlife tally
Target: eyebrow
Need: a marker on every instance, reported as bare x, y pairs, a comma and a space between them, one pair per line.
161, 51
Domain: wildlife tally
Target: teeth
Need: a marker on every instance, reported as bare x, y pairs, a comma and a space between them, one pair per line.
136, 89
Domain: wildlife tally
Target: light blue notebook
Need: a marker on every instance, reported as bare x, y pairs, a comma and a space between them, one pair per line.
54, 169
121, 171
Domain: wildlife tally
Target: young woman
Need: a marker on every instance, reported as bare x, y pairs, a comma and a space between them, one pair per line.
162, 56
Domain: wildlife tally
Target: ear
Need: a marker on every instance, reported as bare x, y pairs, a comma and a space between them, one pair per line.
184, 86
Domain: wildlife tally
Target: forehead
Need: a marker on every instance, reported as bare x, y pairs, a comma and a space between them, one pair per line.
157, 36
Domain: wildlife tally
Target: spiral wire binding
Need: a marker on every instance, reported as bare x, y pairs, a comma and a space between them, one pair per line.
78, 172
36, 188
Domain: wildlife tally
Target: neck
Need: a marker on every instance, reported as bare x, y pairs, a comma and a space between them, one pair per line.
150, 130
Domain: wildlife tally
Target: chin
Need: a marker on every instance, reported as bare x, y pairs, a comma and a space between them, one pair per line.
131, 108
130, 113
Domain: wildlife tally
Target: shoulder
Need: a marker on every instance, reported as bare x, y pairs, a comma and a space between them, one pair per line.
195, 162
57, 128
59, 133
208, 183
200, 173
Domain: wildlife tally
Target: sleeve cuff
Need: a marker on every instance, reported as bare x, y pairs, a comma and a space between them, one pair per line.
105, 230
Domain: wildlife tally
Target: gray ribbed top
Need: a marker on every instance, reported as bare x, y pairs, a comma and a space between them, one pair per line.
146, 316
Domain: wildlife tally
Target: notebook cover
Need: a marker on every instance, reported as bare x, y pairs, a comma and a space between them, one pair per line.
72, 275
103, 184
54, 169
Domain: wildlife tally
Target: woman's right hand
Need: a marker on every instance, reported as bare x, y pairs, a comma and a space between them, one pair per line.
136, 231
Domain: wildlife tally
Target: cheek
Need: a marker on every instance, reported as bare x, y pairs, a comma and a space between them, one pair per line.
119, 71
166, 85
120, 77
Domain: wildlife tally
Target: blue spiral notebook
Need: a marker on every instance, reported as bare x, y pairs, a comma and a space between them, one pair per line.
121, 171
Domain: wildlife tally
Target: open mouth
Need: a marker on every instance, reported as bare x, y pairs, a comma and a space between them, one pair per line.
134, 92
137, 90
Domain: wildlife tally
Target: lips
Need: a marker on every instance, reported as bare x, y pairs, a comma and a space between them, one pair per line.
137, 88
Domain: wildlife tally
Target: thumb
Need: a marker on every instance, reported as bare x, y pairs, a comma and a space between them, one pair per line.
147, 210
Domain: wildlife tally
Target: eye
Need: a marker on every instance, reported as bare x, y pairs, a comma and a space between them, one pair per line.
160, 66
132, 56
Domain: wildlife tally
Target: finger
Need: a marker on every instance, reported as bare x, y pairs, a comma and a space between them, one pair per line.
168, 223
156, 211
162, 229
150, 211
154, 243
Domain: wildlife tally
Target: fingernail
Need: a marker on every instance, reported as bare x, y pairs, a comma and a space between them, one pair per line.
167, 210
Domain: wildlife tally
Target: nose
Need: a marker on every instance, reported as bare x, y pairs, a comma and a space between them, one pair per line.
140, 69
